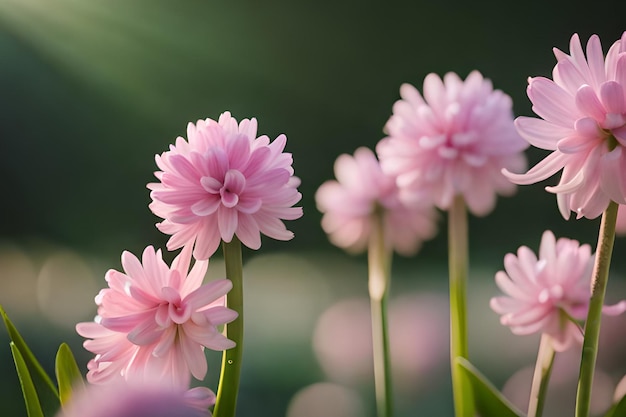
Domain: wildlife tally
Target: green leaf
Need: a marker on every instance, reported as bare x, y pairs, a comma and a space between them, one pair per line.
33, 365
489, 401
33, 408
48, 393
618, 409
67, 372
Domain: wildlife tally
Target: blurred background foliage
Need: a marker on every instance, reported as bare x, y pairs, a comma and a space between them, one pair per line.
91, 90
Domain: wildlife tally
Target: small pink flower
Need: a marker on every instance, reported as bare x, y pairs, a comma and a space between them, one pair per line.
224, 181
583, 123
155, 321
544, 294
148, 399
454, 140
363, 189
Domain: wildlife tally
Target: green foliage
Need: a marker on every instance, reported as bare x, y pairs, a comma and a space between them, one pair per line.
488, 400
33, 408
67, 372
33, 378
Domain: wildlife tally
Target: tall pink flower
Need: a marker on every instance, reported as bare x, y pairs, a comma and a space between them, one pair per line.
454, 140
155, 321
224, 181
545, 294
361, 190
583, 123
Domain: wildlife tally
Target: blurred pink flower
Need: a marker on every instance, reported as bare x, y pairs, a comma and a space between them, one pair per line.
224, 181
583, 121
453, 141
148, 399
155, 321
544, 294
360, 191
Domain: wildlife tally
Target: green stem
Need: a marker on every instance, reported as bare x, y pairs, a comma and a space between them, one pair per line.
228, 389
543, 369
379, 265
600, 278
458, 269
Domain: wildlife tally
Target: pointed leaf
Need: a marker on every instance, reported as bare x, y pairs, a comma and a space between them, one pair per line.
33, 408
47, 392
33, 365
489, 401
618, 409
67, 372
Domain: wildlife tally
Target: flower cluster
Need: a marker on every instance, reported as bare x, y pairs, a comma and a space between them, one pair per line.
583, 123
154, 321
454, 142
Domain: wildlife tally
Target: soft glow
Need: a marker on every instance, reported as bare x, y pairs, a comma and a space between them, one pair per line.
65, 288
328, 400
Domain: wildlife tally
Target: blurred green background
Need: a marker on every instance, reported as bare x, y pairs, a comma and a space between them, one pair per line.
91, 90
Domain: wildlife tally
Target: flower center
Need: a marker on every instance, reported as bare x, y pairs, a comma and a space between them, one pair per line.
229, 190
172, 309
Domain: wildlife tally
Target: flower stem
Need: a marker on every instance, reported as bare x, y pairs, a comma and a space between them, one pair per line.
379, 265
600, 278
228, 389
543, 369
458, 269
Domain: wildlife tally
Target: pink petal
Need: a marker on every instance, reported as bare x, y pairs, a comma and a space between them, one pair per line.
227, 220
206, 206
551, 102
612, 96
540, 133
547, 167
207, 293
588, 103
595, 59
615, 309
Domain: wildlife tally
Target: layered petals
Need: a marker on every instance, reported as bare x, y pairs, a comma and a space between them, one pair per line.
361, 191
224, 181
455, 140
583, 123
548, 293
154, 321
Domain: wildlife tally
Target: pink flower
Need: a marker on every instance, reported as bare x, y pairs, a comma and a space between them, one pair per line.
545, 294
155, 321
583, 123
224, 181
148, 399
453, 141
361, 191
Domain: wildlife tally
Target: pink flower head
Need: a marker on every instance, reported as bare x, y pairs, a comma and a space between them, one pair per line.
454, 140
155, 321
583, 123
363, 189
224, 181
545, 294
148, 399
